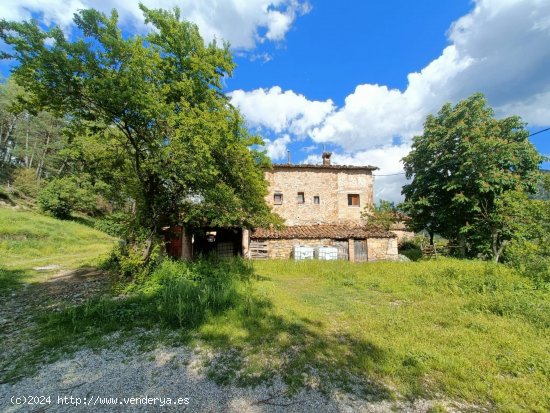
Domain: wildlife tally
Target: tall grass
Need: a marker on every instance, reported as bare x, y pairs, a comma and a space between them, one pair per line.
176, 294
448, 329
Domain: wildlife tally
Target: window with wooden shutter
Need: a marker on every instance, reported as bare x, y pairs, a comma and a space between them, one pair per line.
353, 200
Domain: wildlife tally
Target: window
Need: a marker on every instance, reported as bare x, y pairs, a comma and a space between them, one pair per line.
278, 199
353, 200
300, 198
316, 200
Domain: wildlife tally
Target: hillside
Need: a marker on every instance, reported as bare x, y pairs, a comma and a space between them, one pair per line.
34, 247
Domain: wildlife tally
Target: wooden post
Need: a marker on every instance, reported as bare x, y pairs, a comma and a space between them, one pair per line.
186, 253
246, 243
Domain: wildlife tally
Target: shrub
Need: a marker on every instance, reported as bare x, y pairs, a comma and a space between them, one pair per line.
26, 182
116, 224
532, 259
411, 248
63, 195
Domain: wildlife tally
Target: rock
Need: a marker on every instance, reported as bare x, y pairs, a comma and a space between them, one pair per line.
403, 258
47, 267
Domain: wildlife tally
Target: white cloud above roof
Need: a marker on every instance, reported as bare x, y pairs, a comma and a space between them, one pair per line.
500, 49
276, 148
281, 111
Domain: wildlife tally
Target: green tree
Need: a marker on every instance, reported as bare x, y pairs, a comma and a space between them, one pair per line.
8, 123
524, 227
384, 215
31, 141
64, 195
460, 166
159, 99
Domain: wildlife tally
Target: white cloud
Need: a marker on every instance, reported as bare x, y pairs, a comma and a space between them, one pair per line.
388, 179
373, 115
500, 49
277, 149
242, 23
280, 111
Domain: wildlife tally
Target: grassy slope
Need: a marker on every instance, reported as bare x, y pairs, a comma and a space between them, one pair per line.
29, 240
465, 330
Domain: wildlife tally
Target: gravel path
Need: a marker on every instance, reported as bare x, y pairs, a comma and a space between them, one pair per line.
167, 373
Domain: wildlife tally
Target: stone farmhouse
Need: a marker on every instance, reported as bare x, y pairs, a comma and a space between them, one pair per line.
321, 205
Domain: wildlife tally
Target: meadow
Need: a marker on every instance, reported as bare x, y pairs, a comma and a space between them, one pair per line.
469, 332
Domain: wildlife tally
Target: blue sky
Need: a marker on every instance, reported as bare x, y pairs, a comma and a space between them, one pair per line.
360, 77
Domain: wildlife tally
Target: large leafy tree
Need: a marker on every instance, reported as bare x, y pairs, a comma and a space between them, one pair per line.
460, 166
157, 99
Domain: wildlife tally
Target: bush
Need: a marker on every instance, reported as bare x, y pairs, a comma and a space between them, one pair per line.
411, 249
63, 195
26, 182
116, 224
532, 259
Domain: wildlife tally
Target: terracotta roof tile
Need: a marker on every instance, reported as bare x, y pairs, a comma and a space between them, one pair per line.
321, 166
320, 231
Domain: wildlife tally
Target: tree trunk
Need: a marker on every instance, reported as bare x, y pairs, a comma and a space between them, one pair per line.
27, 147
497, 245
461, 245
40, 168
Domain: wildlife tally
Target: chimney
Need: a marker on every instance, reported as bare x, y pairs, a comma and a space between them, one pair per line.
326, 158
288, 155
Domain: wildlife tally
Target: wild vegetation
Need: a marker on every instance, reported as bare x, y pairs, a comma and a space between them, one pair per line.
465, 331
168, 105
460, 167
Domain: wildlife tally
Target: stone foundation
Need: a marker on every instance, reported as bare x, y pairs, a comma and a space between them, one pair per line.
378, 248
382, 249
282, 248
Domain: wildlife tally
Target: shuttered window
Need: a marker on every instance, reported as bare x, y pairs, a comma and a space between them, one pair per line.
353, 200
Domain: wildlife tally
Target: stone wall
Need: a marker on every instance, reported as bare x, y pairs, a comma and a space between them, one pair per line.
382, 249
353, 182
283, 248
377, 248
402, 235
332, 186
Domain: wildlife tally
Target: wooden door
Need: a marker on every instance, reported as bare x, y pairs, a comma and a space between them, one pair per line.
342, 247
360, 250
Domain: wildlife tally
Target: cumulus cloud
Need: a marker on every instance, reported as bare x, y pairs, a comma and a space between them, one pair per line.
243, 23
276, 149
281, 111
388, 179
500, 49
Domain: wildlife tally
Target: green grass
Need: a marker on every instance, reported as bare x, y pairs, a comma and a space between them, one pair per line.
29, 240
467, 331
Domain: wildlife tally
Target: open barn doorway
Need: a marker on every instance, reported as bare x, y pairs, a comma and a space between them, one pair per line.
225, 242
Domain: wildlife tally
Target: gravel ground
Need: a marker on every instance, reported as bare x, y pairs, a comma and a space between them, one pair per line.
168, 373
